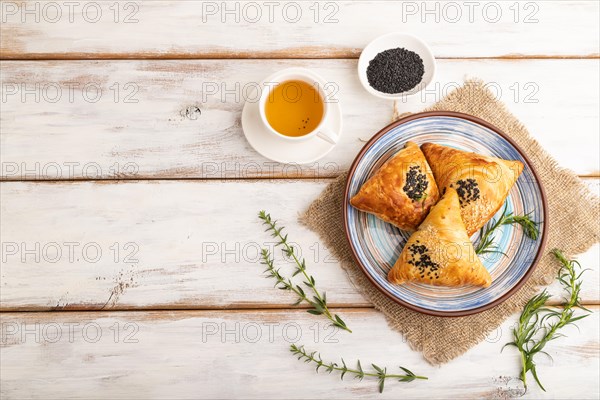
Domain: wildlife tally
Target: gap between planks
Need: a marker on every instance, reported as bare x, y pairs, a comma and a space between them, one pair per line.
184, 179
234, 310
323, 178
253, 56
238, 310
184, 307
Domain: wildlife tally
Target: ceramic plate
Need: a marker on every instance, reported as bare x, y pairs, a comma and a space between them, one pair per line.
377, 245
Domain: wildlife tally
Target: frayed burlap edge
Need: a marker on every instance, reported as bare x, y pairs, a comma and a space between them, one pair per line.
573, 215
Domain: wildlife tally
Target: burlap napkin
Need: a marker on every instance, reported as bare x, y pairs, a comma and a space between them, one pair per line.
574, 215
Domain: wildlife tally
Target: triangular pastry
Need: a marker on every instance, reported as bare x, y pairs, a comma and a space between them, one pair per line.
482, 182
440, 252
402, 191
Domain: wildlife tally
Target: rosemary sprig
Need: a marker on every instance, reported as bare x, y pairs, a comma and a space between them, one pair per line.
358, 372
318, 301
281, 282
486, 244
535, 330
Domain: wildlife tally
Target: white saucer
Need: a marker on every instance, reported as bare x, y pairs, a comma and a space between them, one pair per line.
284, 151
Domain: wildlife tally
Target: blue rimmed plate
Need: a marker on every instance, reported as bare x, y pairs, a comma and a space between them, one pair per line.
377, 245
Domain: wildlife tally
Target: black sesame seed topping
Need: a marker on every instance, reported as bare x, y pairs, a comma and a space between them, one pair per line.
467, 191
416, 183
395, 70
422, 261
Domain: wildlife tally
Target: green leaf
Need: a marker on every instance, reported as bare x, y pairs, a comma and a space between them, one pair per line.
331, 367
578, 318
360, 373
339, 321
533, 371
344, 369
377, 368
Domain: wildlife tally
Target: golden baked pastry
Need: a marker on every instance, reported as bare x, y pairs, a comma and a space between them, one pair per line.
402, 191
440, 252
482, 182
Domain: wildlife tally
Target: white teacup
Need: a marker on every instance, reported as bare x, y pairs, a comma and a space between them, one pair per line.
322, 130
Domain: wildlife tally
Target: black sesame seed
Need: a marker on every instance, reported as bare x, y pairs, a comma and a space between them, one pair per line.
467, 191
422, 261
395, 70
416, 183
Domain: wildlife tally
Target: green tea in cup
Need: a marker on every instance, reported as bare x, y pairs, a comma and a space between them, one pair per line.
294, 108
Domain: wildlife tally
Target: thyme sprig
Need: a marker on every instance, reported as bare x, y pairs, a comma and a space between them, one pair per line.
358, 372
281, 282
486, 243
318, 302
538, 324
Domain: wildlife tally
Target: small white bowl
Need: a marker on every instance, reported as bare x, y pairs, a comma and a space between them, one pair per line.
392, 41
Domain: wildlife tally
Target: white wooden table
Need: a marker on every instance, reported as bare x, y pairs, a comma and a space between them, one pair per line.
129, 195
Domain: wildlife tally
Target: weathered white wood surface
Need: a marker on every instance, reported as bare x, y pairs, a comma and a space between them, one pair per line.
166, 244
239, 354
140, 29
184, 244
144, 122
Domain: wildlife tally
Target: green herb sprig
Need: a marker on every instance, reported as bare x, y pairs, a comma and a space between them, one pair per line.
282, 283
358, 372
539, 324
486, 244
318, 302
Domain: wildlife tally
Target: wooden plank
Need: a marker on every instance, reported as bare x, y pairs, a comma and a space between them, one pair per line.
214, 29
216, 354
176, 119
166, 244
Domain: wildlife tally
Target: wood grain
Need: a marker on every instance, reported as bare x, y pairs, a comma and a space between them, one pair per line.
224, 354
189, 248
166, 244
176, 119
203, 29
